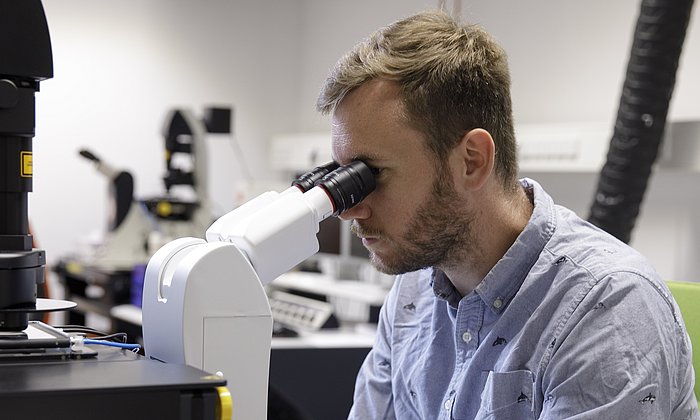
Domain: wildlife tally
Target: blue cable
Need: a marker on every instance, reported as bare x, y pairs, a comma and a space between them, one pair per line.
133, 347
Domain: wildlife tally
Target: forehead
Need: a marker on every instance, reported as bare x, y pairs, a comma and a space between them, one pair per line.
370, 125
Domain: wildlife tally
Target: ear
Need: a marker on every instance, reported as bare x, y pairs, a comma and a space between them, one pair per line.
473, 159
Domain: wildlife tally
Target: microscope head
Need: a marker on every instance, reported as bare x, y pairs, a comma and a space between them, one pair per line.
25, 45
25, 60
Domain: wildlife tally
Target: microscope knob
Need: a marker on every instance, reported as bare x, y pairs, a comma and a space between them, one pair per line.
8, 94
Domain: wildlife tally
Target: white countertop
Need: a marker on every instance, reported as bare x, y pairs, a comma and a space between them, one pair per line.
356, 336
354, 290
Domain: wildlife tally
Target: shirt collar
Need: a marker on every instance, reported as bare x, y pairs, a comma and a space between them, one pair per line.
443, 288
505, 278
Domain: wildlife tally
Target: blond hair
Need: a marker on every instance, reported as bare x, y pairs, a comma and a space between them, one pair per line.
452, 78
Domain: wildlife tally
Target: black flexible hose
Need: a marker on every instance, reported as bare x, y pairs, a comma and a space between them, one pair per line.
641, 117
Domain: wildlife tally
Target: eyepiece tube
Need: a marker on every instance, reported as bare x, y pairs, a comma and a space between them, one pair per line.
348, 185
309, 179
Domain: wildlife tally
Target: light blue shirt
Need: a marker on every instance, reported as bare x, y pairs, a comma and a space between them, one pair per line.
570, 323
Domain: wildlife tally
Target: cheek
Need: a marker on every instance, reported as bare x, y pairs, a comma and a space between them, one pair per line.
392, 212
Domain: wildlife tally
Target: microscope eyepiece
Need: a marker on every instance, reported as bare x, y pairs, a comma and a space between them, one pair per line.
348, 185
311, 178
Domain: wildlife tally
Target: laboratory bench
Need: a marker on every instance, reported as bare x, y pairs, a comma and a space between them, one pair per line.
312, 374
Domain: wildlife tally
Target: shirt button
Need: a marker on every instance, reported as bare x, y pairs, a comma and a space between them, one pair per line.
448, 404
467, 336
497, 303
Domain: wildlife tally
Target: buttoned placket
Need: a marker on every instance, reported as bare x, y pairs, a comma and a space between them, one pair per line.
468, 323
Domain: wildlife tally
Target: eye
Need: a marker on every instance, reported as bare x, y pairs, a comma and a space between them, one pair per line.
376, 171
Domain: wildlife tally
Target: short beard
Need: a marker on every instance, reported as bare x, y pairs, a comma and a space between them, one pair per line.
439, 234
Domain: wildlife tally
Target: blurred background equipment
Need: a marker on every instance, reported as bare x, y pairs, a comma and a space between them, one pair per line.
125, 243
121, 189
110, 273
135, 228
185, 209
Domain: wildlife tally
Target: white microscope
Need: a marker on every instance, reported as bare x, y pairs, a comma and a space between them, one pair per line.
204, 303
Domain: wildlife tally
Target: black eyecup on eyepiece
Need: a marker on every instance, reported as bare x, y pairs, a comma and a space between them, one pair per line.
348, 185
311, 178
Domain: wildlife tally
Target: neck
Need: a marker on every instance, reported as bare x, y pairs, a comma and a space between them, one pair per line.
496, 224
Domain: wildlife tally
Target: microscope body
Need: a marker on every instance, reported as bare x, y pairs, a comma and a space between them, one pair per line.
204, 302
204, 306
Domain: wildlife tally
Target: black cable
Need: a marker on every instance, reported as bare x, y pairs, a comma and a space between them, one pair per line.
100, 335
641, 118
80, 328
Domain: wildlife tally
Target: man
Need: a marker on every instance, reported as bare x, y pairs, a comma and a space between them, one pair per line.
505, 306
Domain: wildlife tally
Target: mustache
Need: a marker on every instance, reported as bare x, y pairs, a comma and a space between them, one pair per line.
364, 231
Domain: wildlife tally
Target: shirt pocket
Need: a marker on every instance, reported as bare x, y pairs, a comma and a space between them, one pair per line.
507, 395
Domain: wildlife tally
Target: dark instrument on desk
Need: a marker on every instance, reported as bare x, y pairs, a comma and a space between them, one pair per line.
25, 60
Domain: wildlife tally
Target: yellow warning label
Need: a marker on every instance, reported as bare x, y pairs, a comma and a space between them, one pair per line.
25, 164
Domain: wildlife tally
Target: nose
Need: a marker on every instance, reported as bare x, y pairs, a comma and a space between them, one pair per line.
360, 211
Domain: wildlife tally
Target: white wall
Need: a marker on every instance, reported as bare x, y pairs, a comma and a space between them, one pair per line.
567, 58
119, 66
